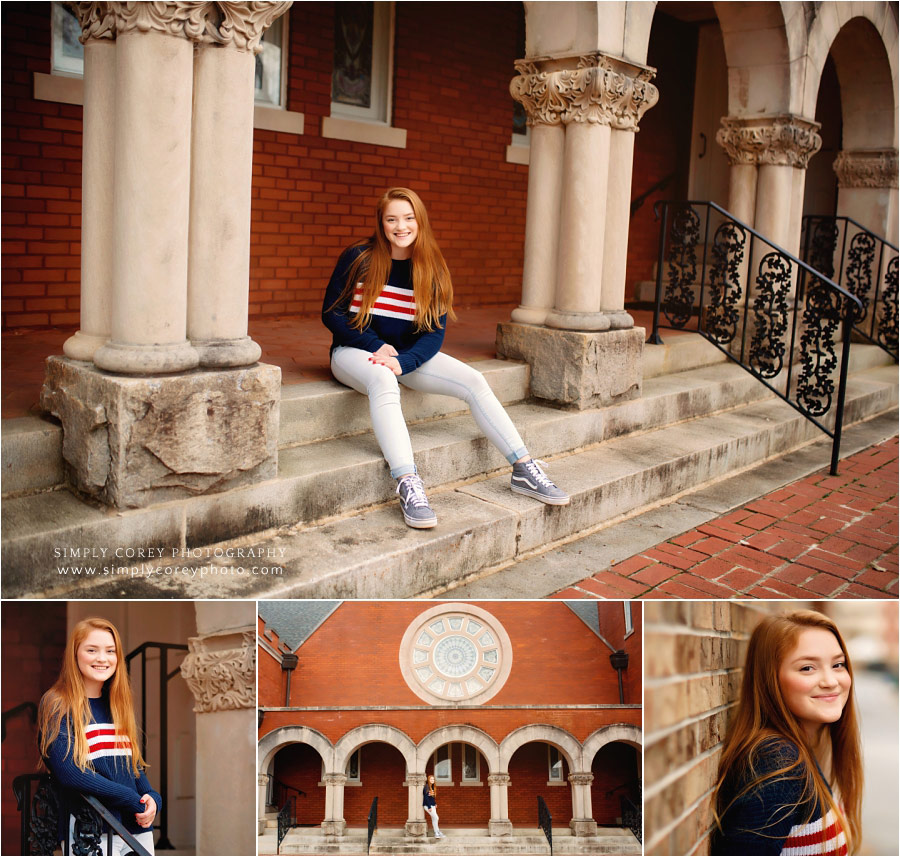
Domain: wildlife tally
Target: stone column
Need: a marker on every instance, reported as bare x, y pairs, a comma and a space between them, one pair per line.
582, 824
220, 670
415, 823
221, 174
867, 189
98, 35
262, 786
538, 92
334, 824
499, 825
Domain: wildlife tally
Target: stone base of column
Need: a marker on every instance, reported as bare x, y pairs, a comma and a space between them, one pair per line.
583, 827
133, 441
572, 320
574, 368
416, 829
500, 827
529, 314
146, 359
225, 353
334, 828
83, 346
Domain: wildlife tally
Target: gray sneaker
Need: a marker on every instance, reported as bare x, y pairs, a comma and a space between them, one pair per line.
416, 511
529, 478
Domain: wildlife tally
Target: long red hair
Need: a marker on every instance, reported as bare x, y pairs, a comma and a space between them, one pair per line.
762, 715
68, 699
432, 285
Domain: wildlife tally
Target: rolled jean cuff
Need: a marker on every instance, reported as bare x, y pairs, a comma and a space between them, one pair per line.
403, 470
514, 456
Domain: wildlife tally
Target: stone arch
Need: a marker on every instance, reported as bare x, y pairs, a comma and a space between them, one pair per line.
623, 732
458, 732
355, 738
271, 743
567, 744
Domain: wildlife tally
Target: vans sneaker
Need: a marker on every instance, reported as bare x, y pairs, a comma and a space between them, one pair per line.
529, 478
416, 511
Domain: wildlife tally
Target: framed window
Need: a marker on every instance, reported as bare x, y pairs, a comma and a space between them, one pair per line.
66, 51
470, 764
271, 65
443, 770
555, 765
353, 766
629, 624
362, 67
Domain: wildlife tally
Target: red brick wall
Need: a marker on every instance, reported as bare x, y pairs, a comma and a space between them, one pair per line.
615, 766
33, 641
311, 196
382, 772
300, 766
612, 626
528, 778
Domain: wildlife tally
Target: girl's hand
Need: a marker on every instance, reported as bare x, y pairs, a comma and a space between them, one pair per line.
391, 362
386, 351
145, 818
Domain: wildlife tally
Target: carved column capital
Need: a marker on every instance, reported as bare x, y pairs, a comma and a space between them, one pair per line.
866, 168
335, 779
262, 780
498, 779
598, 90
186, 19
240, 25
783, 140
96, 19
221, 676
416, 779
581, 778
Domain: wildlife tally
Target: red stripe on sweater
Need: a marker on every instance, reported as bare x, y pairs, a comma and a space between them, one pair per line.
807, 839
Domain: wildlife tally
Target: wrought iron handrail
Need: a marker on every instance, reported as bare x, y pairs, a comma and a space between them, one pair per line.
41, 809
545, 822
30, 707
373, 823
287, 818
274, 796
723, 312
855, 269
164, 678
631, 816
638, 201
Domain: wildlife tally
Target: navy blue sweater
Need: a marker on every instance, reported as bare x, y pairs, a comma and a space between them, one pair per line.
774, 816
112, 779
392, 320
428, 795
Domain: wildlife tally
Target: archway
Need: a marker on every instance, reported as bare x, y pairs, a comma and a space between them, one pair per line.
538, 768
461, 777
616, 779
296, 776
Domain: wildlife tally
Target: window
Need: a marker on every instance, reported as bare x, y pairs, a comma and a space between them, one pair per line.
555, 764
470, 764
442, 767
353, 767
629, 625
271, 65
66, 52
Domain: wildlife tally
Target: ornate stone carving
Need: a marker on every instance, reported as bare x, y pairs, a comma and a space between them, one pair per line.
783, 140
866, 168
186, 19
417, 780
335, 779
241, 25
221, 679
599, 90
498, 779
96, 19
581, 779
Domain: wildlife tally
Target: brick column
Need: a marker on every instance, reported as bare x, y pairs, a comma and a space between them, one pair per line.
499, 825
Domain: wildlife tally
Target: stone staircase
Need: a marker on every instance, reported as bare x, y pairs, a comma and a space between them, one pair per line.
330, 521
610, 840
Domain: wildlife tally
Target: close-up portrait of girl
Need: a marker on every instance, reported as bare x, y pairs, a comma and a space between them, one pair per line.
790, 776
89, 740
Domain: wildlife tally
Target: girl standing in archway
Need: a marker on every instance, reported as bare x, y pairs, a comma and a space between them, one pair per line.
387, 306
88, 735
429, 801
791, 775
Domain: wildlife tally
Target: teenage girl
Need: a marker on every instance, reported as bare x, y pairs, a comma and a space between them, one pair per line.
387, 306
429, 801
88, 736
790, 777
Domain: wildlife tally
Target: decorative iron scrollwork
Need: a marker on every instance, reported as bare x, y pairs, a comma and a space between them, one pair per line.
770, 311
861, 258
42, 815
88, 830
822, 246
821, 319
682, 266
887, 325
725, 292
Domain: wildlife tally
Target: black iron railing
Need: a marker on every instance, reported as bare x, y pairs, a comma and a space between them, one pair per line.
545, 822
767, 310
277, 791
41, 804
287, 818
21, 708
863, 263
631, 813
373, 823
165, 676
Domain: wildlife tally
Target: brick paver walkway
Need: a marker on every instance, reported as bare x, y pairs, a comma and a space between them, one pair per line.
821, 537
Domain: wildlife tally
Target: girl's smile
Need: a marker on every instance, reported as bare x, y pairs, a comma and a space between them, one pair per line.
400, 228
97, 659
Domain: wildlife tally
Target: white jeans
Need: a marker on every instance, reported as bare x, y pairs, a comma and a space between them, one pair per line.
118, 844
443, 375
432, 811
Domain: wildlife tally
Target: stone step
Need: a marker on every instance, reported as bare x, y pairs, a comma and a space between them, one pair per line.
330, 478
482, 525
